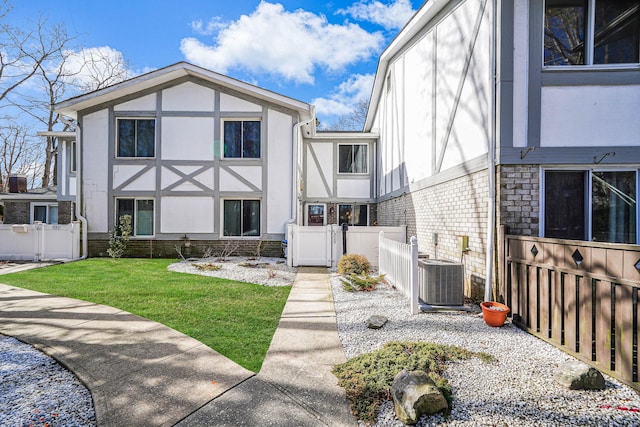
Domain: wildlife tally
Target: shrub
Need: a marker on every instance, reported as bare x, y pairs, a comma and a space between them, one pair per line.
353, 264
368, 378
119, 237
355, 282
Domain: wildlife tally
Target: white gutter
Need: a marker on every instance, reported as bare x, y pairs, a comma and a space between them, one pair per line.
491, 163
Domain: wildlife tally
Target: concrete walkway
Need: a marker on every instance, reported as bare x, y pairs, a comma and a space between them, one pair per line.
140, 372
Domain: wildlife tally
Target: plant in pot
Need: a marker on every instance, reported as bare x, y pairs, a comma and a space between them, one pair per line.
494, 313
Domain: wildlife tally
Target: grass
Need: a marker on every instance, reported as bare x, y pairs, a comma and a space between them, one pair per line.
367, 379
236, 319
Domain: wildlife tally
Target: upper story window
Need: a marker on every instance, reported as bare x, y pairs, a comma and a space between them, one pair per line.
591, 32
136, 137
352, 158
242, 139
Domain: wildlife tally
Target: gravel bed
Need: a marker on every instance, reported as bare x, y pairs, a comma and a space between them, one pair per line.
263, 271
36, 391
516, 390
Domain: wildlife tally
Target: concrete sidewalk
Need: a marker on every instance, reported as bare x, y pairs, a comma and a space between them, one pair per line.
140, 372
295, 386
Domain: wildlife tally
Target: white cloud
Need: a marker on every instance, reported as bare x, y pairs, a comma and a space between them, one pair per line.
95, 67
215, 24
288, 44
344, 98
390, 16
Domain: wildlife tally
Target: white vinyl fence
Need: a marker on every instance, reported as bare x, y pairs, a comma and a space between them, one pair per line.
39, 242
399, 263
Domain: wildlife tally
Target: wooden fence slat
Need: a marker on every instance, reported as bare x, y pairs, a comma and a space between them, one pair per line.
570, 318
545, 286
556, 311
624, 332
585, 307
603, 324
532, 293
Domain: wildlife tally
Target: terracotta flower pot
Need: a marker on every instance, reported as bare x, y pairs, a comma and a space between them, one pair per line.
494, 313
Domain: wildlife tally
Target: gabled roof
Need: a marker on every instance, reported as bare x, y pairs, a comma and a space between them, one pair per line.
419, 20
71, 106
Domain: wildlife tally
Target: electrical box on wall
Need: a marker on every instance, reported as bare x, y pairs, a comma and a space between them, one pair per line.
463, 243
434, 238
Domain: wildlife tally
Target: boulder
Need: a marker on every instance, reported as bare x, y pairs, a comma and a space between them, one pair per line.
415, 394
376, 321
576, 375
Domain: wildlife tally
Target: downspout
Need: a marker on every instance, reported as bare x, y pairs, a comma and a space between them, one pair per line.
297, 143
85, 227
491, 162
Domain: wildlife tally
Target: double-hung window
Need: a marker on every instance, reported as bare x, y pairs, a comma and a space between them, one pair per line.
141, 213
136, 138
241, 218
353, 214
352, 158
45, 213
242, 139
591, 205
591, 32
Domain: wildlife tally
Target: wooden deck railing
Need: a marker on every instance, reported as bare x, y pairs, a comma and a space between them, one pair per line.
579, 296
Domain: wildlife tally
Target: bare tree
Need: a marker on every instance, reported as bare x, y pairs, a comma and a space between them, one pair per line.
353, 121
19, 153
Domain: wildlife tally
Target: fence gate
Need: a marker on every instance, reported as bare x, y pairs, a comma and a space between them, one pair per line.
310, 246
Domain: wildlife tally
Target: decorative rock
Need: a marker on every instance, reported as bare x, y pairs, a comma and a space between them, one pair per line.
376, 321
415, 394
576, 375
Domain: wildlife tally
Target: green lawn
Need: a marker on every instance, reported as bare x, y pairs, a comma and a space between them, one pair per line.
234, 318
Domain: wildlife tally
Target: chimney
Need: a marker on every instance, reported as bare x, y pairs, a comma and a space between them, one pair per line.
17, 184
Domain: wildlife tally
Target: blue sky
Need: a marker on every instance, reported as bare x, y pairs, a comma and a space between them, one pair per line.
323, 53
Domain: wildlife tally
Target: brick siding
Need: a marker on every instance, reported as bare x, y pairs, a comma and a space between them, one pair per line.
519, 198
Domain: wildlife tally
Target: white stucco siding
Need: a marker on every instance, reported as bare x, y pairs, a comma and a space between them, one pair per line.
145, 181
590, 116
354, 188
187, 138
468, 116
317, 174
241, 178
188, 96
144, 103
520, 72
177, 182
187, 215
279, 184
232, 103
95, 151
419, 109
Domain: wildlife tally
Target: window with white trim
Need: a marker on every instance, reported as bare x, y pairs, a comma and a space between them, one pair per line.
44, 212
241, 218
591, 205
316, 214
352, 158
591, 32
141, 212
241, 139
353, 214
136, 138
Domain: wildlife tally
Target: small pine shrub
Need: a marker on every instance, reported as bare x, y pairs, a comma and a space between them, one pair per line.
367, 379
353, 264
119, 237
355, 282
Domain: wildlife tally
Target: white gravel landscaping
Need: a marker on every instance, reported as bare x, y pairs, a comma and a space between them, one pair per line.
516, 390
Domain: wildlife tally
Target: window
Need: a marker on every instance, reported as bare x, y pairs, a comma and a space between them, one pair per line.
141, 213
242, 139
353, 214
591, 205
136, 137
586, 32
315, 214
241, 218
45, 213
352, 158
